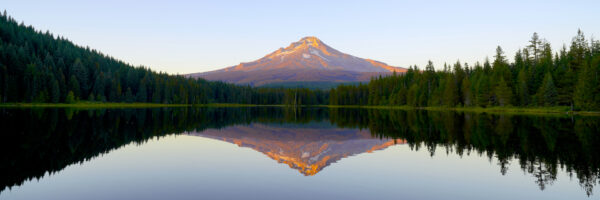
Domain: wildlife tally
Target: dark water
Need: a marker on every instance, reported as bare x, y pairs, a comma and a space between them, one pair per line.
310, 153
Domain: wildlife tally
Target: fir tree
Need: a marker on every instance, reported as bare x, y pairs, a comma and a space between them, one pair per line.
70, 97
74, 86
55, 92
482, 92
503, 93
129, 96
467, 92
586, 92
450, 92
142, 93
522, 88
547, 94
81, 74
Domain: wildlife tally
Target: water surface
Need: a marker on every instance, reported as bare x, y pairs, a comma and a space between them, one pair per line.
309, 153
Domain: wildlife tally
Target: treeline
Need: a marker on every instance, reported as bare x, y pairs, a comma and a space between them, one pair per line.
39, 67
537, 77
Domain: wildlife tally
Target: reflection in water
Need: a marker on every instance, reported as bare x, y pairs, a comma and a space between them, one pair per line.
37, 141
307, 149
540, 144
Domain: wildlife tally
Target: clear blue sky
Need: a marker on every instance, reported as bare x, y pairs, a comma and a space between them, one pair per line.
195, 36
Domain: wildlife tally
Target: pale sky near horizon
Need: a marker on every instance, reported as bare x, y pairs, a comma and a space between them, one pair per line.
181, 37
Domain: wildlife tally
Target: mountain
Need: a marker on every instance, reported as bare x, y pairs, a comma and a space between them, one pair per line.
306, 60
307, 150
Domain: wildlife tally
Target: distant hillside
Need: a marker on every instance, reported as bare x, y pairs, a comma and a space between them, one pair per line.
321, 85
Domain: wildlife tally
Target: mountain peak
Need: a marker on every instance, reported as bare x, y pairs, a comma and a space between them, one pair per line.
311, 40
305, 42
308, 59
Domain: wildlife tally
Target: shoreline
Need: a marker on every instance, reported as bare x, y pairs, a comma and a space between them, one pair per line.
495, 110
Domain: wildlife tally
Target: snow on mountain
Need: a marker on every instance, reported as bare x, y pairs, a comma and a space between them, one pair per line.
306, 60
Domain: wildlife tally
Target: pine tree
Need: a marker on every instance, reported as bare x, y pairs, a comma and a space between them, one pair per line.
157, 94
482, 91
437, 97
31, 86
55, 92
74, 86
81, 74
578, 51
62, 83
467, 92
547, 94
412, 95
129, 96
586, 91
70, 97
3, 83
401, 96
503, 93
522, 88
99, 87
450, 92
430, 78
100, 98
534, 44
142, 93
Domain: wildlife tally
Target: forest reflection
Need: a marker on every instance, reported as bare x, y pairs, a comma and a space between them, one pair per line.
41, 141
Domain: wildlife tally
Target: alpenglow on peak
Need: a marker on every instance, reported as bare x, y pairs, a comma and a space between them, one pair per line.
308, 59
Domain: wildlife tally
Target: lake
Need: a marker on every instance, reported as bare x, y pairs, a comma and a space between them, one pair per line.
305, 153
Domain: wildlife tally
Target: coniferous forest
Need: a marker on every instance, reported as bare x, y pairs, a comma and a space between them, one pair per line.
538, 77
41, 67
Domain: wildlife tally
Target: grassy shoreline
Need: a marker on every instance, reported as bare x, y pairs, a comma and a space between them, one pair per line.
122, 105
509, 110
89, 105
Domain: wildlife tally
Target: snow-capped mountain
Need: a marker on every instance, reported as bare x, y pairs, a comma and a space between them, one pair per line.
306, 60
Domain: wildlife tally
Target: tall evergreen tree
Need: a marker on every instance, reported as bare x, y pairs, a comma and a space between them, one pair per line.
70, 97
522, 88
55, 92
450, 91
129, 96
467, 92
534, 44
503, 93
81, 74
142, 94
586, 92
74, 86
483, 92
547, 94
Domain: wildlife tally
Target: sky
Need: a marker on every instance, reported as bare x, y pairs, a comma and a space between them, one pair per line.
180, 37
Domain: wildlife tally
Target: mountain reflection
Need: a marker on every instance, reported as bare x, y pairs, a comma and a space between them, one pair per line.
308, 148
36, 142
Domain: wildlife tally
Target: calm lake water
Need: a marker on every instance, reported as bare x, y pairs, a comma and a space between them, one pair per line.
309, 153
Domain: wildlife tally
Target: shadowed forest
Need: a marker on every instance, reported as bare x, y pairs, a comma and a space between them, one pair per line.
538, 77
